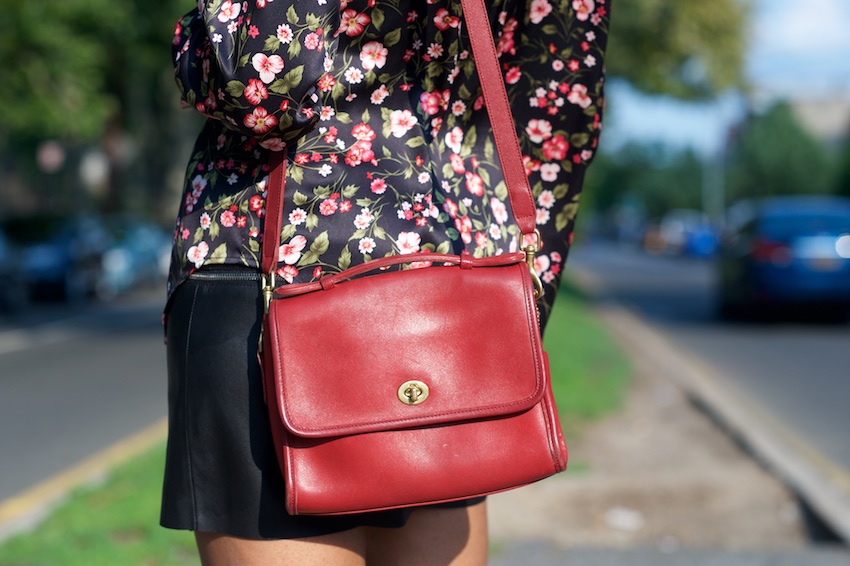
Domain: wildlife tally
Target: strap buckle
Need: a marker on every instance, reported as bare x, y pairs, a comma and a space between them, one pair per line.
530, 251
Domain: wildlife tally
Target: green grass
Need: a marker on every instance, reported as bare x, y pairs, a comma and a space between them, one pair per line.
116, 523
113, 524
589, 370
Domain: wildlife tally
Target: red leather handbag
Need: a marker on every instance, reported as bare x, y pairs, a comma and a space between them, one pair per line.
397, 388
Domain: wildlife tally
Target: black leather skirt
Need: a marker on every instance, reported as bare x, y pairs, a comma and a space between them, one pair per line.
221, 471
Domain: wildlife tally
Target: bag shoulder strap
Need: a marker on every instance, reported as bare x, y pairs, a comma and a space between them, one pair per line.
504, 133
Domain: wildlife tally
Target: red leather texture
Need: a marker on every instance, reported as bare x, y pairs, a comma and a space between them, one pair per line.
347, 443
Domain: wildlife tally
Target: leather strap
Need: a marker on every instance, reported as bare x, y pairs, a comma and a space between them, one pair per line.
501, 120
272, 224
499, 109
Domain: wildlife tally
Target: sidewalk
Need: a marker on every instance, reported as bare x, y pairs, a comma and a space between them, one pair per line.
658, 484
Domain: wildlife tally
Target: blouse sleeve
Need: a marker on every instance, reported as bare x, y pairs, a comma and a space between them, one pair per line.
256, 65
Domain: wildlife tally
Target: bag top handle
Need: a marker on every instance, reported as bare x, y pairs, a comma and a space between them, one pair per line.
504, 133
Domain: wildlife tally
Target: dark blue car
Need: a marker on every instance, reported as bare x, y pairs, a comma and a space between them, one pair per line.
786, 252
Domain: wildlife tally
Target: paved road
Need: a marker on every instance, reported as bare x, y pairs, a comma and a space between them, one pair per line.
74, 381
798, 371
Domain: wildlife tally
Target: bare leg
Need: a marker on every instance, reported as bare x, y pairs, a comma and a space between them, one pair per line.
345, 548
432, 537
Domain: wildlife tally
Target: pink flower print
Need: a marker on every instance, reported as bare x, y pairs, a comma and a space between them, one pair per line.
256, 92
353, 23
546, 199
205, 221
326, 82
538, 130
378, 186
451, 208
457, 164
273, 144
284, 33
458, 108
539, 10
401, 122
556, 148
297, 216
444, 20
288, 273
586, 154
474, 184
328, 206
290, 253
366, 245
500, 211
454, 139
229, 11
549, 172
435, 50
256, 203
260, 120
379, 94
578, 95
312, 41
408, 242
268, 67
227, 219
198, 254
363, 132
353, 75
542, 216
364, 219
513, 75
583, 9
373, 54
464, 226
360, 152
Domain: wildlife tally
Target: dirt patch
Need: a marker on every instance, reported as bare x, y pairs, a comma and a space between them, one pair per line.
659, 473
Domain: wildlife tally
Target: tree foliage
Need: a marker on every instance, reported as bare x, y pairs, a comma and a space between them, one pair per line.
774, 155
649, 175
685, 48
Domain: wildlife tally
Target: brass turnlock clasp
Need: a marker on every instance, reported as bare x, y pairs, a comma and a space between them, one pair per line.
413, 392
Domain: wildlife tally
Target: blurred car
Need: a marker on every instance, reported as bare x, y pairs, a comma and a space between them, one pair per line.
683, 231
785, 251
62, 255
13, 287
138, 255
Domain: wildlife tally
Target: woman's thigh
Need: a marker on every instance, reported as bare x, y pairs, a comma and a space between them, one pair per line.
346, 548
433, 536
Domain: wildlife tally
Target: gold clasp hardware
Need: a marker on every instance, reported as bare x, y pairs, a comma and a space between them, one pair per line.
530, 251
268, 285
413, 392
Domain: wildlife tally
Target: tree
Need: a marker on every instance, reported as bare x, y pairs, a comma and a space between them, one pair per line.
774, 155
656, 177
686, 48
87, 73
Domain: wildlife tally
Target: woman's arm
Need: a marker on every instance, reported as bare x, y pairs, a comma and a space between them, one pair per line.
256, 64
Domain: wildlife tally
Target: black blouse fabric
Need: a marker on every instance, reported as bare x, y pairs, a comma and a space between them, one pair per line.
380, 109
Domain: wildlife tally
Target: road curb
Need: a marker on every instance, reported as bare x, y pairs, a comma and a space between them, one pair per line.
822, 484
27, 509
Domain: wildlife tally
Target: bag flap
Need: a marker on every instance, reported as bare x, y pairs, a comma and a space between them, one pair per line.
345, 358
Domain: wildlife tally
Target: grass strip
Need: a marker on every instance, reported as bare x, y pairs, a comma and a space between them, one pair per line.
113, 523
117, 522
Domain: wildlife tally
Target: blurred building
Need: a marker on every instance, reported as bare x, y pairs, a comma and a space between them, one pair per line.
827, 118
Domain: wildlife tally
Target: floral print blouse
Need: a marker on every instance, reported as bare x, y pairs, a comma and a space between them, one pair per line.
380, 109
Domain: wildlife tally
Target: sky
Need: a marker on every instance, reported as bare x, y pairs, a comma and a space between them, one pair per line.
798, 49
